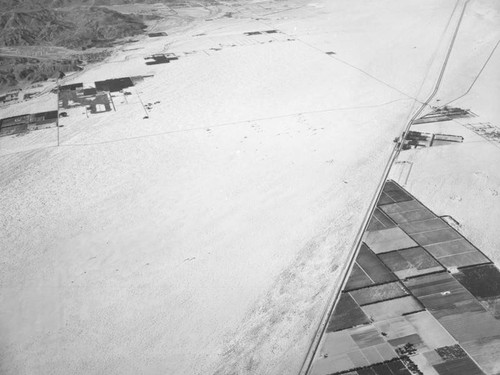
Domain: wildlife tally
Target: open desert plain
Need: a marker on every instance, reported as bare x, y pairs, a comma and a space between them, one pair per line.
192, 201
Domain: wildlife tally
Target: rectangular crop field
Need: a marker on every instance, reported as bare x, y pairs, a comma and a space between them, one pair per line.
423, 226
378, 293
485, 353
443, 295
461, 366
410, 262
484, 283
411, 216
358, 278
392, 193
368, 270
347, 314
380, 221
436, 236
390, 239
391, 309
352, 348
456, 253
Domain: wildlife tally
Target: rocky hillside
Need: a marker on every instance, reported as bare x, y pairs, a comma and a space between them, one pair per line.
72, 24
18, 70
52, 4
76, 27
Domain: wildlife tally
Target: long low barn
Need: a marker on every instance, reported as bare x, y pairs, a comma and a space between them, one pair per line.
19, 124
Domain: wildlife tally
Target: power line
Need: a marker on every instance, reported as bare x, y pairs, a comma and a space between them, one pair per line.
220, 125
477, 76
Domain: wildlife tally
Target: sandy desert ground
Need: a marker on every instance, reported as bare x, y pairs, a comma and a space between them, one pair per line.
463, 180
208, 237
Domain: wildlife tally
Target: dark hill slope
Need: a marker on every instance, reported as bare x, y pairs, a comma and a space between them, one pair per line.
75, 27
72, 24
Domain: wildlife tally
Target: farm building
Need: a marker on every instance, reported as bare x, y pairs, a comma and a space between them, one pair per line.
23, 123
71, 87
114, 85
14, 125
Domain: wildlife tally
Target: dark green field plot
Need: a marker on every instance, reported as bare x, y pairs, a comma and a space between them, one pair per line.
378, 293
443, 295
380, 221
454, 359
415, 227
407, 206
358, 278
393, 367
389, 368
409, 211
397, 368
456, 253
384, 199
393, 197
410, 262
347, 314
462, 366
392, 193
436, 236
484, 283
368, 270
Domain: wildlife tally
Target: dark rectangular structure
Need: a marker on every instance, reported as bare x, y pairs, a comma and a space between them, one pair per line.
71, 87
114, 85
51, 115
89, 92
158, 34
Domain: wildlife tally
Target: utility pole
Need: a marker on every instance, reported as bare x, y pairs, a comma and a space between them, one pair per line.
57, 121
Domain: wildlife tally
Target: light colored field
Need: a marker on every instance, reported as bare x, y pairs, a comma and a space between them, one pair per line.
390, 239
392, 308
351, 348
431, 335
378, 293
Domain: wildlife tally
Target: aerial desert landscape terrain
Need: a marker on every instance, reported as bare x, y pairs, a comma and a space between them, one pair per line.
188, 187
